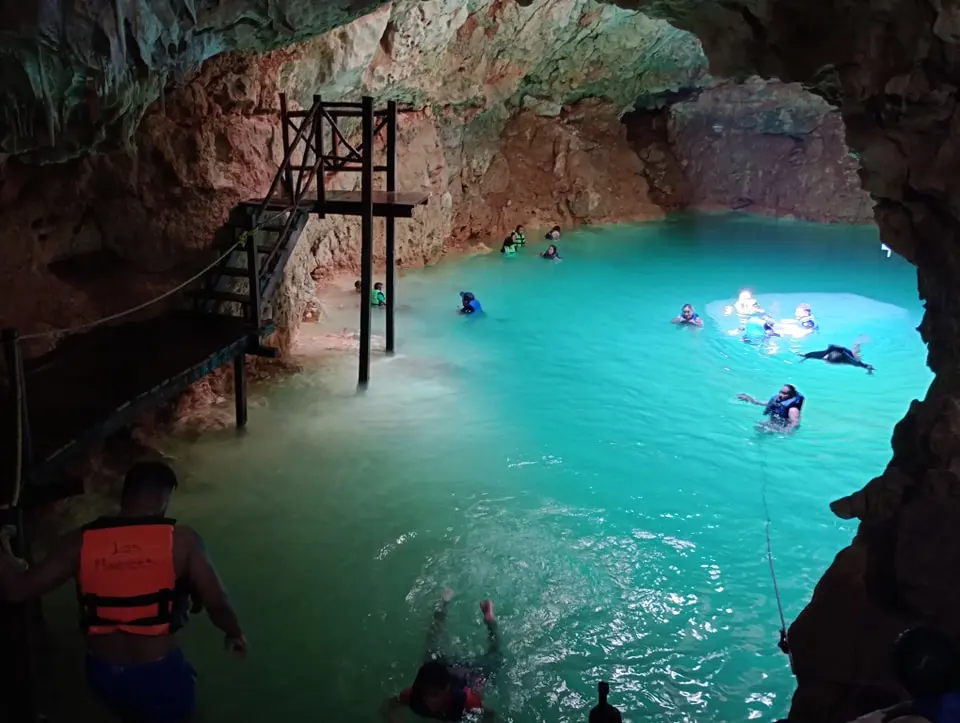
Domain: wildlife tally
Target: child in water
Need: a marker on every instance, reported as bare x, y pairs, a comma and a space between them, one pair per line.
509, 247
519, 239
377, 296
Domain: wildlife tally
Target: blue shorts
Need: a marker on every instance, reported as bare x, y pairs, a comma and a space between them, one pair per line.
161, 691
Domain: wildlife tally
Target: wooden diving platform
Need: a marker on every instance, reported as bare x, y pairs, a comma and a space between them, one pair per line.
94, 384
386, 204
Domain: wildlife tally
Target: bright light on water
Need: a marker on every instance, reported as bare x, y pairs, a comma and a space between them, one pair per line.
572, 455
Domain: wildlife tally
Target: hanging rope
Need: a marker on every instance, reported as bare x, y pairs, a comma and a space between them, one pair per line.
784, 643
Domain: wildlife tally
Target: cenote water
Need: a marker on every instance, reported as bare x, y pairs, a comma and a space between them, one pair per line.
571, 455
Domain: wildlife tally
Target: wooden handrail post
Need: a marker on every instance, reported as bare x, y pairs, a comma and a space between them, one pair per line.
287, 150
253, 279
366, 240
318, 143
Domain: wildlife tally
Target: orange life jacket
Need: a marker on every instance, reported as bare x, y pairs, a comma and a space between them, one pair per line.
127, 581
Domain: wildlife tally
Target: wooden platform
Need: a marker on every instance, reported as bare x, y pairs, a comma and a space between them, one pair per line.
96, 383
348, 203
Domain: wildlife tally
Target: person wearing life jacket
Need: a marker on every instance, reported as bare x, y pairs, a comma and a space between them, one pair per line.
745, 305
551, 254
445, 689
509, 246
469, 303
519, 239
804, 316
926, 664
834, 354
783, 409
136, 573
377, 296
688, 317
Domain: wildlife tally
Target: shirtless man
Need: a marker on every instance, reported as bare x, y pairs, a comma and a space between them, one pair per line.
136, 574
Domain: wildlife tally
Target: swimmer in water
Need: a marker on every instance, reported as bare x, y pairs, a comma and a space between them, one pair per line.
445, 688
470, 305
358, 287
551, 254
377, 297
553, 234
804, 316
688, 317
784, 408
509, 246
834, 354
745, 305
757, 329
519, 240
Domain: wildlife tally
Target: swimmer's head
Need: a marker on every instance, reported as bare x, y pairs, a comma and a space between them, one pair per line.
744, 298
378, 286
357, 285
519, 228
687, 311
551, 250
431, 688
787, 391
802, 311
926, 663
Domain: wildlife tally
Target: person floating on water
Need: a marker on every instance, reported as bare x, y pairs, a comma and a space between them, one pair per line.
757, 329
834, 354
377, 296
509, 247
445, 688
688, 317
136, 575
519, 239
553, 234
470, 303
784, 408
745, 305
804, 316
551, 254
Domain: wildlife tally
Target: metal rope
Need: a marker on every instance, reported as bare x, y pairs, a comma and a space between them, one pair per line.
784, 643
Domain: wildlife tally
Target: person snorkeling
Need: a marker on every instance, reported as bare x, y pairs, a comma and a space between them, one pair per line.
551, 254
553, 234
509, 246
834, 354
378, 297
446, 689
470, 305
519, 239
688, 317
784, 408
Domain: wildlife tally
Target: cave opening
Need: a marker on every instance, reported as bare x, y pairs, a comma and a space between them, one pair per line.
505, 453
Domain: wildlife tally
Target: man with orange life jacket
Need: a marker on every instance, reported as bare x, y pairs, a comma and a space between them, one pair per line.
136, 574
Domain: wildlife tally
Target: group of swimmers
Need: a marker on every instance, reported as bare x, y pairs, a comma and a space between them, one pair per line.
785, 407
516, 241
378, 297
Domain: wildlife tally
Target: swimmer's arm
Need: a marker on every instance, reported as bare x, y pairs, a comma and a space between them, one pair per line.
793, 419
748, 398
203, 578
17, 584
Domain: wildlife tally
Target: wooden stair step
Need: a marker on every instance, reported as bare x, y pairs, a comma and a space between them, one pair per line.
222, 296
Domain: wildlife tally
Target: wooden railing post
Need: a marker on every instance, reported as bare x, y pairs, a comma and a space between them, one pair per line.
318, 142
253, 279
391, 148
287, 150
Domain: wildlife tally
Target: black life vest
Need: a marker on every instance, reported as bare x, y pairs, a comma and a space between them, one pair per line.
457, 703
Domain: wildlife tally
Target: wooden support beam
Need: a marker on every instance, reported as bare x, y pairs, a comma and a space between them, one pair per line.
318, 147
240, 388
253, 279
366, 241
287, 149
391, 222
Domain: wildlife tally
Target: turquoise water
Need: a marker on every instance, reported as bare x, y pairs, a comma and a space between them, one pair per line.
572, 455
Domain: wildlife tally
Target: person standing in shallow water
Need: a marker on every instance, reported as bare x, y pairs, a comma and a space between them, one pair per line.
445, 688
136, 573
